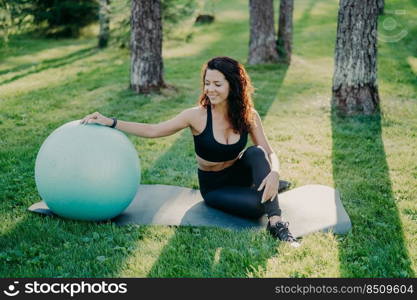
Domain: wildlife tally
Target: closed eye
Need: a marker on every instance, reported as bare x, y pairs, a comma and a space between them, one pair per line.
216, 84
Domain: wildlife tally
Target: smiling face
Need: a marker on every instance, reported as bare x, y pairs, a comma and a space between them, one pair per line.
216, 87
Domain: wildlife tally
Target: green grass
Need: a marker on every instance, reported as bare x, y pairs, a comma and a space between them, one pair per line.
371, 160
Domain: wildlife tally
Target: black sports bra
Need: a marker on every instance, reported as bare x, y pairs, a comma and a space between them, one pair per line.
208, 148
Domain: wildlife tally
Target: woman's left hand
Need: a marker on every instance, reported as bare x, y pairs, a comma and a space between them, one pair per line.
270, 183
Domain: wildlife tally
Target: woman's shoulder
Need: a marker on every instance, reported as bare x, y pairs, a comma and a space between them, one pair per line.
193, 115
255, 116
197, 117
256, 120
196, 112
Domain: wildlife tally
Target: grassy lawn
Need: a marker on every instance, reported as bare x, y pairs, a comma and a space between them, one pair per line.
371, 160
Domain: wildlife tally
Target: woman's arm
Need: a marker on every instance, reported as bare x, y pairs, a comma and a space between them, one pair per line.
259, 138
271, 181
181, 121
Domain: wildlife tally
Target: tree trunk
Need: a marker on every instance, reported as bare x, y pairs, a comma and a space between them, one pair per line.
104, 20
355, 89
4, 22
284, 41
262, 44
146, 42
381, 5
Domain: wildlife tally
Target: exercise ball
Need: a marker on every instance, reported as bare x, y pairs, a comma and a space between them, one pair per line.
87, 172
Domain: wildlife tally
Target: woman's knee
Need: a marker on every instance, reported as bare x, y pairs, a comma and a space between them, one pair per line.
255, 150
256, 154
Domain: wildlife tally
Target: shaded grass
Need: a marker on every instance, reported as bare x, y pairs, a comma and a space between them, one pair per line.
361, 174
371, 161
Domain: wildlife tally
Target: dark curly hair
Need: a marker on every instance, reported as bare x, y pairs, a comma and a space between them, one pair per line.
240, 92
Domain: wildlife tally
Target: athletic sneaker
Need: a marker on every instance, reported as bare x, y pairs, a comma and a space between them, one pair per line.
283, 186
280, 231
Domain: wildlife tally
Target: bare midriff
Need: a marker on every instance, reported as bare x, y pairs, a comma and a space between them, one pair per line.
213, 166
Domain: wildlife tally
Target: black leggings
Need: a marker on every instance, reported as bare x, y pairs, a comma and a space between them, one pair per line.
234, 189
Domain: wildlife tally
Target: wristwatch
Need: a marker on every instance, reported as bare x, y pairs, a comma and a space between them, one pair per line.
114, 123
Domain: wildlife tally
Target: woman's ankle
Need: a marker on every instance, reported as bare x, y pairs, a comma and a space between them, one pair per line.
274, 219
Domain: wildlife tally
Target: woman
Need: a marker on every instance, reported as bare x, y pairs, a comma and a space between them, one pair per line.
235, 180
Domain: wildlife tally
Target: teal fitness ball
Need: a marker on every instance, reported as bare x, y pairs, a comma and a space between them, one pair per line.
87, 172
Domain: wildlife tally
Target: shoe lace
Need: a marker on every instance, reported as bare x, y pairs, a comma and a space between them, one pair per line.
282, 231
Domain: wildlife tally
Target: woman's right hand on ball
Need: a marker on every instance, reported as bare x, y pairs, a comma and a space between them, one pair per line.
96, 118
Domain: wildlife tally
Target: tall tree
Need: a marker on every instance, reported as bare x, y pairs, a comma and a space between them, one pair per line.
146, 41
284, 41
104, 20
262, 43
355, 89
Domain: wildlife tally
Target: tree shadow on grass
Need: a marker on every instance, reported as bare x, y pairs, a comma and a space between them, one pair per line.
48, 64
305, 18
266, 91
375, 246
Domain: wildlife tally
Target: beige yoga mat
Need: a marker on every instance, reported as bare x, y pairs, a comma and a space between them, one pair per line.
308, 209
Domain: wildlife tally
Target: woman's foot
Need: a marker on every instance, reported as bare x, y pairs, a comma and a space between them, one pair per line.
279, 229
